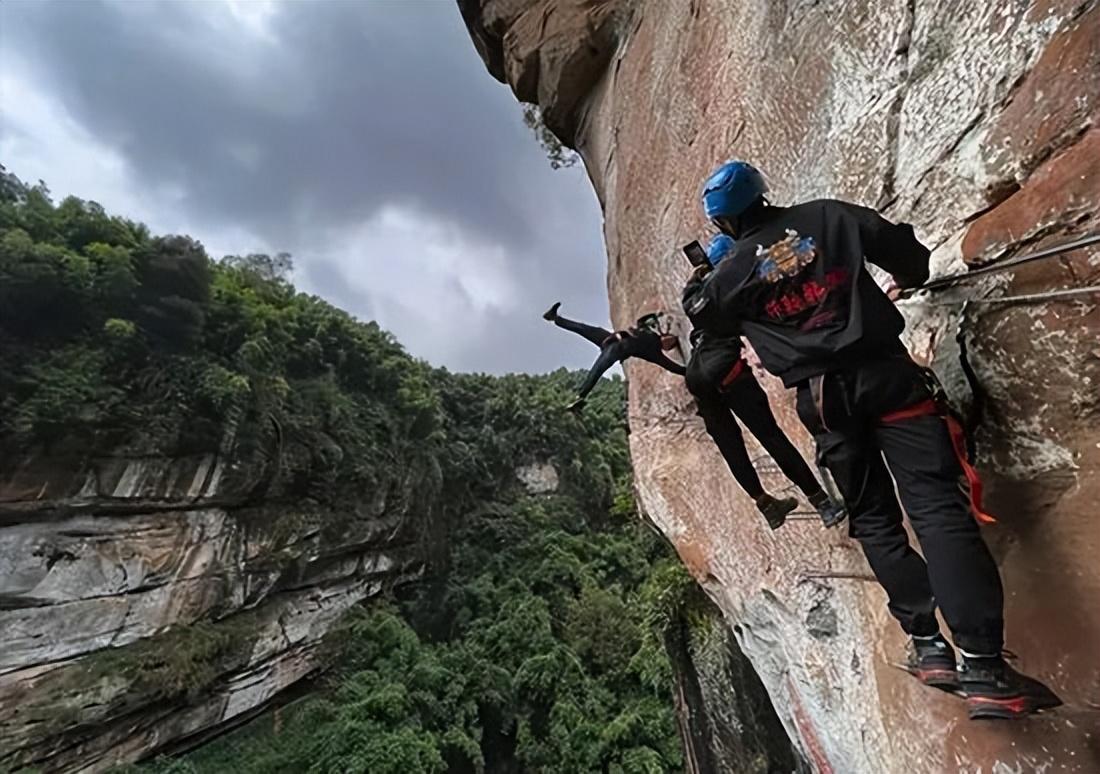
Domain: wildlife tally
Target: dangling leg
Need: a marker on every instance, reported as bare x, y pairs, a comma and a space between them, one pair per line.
609, 356
750, 403
593, 333
748, 400
723, 430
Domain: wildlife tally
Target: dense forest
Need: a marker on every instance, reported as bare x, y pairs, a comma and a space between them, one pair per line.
536, 645
536, 653
535, 640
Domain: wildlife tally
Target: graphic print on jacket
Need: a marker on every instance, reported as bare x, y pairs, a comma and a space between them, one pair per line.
799, 298
785, 258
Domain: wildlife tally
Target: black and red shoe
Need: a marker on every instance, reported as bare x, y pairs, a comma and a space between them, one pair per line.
932, 661
996, 691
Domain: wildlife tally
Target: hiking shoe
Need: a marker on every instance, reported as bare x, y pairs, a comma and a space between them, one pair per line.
576, 405
775, 510
932, 661
551, 314
996, 691
831, 512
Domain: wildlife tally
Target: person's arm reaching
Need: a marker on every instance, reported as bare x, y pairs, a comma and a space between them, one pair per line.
670, 342
669, 364
892, 246
650, 347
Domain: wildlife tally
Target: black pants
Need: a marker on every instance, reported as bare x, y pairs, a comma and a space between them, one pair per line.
609, 356
593, 333
843, 411
609, 353
642, 344
747, 399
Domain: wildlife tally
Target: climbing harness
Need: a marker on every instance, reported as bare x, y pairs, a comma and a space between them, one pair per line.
937, 406
733, 375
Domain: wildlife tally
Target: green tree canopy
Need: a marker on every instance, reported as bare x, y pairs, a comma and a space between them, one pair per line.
524, 649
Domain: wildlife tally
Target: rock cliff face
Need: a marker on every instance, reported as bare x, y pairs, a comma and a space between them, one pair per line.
977, 123
148, 601
727, 721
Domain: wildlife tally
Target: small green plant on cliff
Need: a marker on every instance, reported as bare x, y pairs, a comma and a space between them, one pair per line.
182, 662
670, 598
559, 155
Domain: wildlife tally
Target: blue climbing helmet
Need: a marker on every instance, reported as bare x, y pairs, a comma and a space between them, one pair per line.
720, 246
730, 190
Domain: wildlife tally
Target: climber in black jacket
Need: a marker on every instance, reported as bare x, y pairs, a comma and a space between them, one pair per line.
724, 385
798, 288
642, 340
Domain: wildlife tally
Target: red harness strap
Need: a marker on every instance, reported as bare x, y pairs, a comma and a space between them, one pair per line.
734, 372
958, 442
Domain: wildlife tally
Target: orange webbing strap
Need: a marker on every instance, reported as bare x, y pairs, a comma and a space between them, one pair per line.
734, 372
958, 442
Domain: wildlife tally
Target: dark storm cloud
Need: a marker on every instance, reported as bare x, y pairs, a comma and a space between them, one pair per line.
347, 106
301, 126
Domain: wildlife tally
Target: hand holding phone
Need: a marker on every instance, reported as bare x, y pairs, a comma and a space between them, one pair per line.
696, 254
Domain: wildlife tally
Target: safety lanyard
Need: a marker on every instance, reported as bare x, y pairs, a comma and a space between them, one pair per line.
999, 265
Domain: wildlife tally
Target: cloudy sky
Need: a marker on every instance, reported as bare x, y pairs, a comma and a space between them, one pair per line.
365, 138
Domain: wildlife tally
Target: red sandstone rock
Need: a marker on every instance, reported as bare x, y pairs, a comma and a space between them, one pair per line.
1061, 196
967, 119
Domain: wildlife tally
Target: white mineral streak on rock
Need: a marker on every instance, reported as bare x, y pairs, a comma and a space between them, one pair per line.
197, 483
254, 687
130, 480
215, 478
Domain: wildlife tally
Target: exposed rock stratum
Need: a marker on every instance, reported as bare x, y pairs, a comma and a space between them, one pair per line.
147, 601
977, 123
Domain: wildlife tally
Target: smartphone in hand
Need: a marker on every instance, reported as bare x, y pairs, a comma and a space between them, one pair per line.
696, 254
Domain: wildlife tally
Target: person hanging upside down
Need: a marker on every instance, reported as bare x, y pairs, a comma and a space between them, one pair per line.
797, 286
724, 385
642, 340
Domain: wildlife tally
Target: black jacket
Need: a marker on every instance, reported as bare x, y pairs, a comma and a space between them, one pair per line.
798, 288
645, 345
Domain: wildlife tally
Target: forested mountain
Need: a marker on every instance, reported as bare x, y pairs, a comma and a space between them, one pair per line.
534, 637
